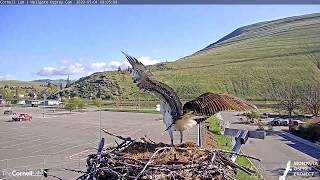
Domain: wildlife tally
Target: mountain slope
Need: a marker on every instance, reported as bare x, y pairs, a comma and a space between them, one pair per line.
56, 82
18, 83
247, 62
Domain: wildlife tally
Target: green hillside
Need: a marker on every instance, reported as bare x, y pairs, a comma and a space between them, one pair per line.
18, 83
247, 62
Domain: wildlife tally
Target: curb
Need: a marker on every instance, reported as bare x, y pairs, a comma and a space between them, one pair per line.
306, 142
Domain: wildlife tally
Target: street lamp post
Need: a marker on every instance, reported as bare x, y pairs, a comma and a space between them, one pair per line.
100, 123
44, 101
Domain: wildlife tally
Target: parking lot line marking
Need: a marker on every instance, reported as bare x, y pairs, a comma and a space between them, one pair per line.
51, 147
75, 154
35, 140
72, 147
23, 157
5, 132
19, 139
47, 148
38, 144
15, 134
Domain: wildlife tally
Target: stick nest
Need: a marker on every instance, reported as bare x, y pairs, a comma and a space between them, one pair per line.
145, 159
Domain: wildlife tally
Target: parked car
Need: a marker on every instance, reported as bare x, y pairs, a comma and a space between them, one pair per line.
8, 112
22, 117
280, 122
264, 115
284, 122
297, 122
275, 122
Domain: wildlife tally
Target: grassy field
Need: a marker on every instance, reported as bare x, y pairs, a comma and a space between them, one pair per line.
18, 83
249, 63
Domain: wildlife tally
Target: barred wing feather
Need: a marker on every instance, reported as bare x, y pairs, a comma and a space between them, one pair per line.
210, 103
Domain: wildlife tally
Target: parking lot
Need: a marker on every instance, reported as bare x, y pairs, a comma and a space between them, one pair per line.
62, 139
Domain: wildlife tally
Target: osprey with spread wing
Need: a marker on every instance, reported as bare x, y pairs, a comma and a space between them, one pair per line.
176, 117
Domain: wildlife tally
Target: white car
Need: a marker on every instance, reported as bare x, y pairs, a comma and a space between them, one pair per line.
280, 122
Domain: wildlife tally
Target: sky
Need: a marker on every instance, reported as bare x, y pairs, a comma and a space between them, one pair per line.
39, 42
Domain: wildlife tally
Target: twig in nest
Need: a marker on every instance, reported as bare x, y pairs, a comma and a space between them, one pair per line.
150, 160
240, 154
149, 139
120, 137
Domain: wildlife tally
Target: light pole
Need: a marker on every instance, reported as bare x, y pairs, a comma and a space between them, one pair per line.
100, 123
44, 102
199, 135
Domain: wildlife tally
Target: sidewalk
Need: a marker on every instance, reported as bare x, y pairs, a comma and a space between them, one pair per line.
301, 140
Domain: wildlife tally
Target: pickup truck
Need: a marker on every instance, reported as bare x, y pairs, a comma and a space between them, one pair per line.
22, 117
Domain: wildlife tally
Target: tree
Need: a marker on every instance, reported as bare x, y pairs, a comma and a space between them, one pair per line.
74, 103
310, 98
312, 54
98, 102
79, 102
7, 95
70, 105
287, 95
52, 90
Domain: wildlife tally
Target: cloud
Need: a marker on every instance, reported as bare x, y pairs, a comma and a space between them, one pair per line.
97, 66
69, 68
148, 61
7, 77
65, 68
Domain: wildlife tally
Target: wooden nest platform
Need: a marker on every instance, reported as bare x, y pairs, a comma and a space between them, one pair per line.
145, 159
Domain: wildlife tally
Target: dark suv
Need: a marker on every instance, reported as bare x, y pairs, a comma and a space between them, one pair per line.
8, 112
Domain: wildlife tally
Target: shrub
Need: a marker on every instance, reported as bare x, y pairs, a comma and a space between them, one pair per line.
310, 130
74, 103
251, 116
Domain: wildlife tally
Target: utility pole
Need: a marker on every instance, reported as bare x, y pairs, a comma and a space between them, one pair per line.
100, 123
199, 134
44, 102
100, 107
139, 100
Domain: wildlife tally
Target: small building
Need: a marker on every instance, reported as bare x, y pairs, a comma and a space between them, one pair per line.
32, 103
2, 102
21, 102
51, 102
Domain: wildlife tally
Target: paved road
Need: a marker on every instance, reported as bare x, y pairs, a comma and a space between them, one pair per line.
274, 151
64, 139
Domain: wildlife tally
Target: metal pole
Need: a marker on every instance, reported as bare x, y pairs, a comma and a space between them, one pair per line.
44, 161
44, 101
199, 135
139, 100
100, 123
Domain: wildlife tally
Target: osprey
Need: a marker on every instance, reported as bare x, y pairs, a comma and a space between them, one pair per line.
176, 117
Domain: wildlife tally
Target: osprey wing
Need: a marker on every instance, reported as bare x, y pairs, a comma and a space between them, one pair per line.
210, 103
144, 80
